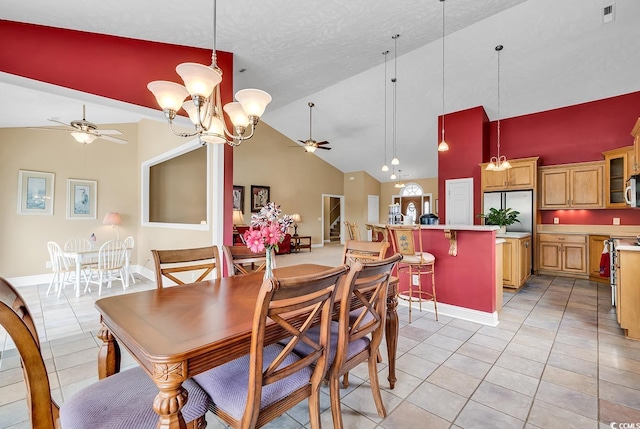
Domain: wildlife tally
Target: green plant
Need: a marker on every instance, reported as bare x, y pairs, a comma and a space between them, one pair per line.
500, 217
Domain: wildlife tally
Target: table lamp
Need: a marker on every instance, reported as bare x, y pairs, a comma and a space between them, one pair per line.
113, 219
238, 219
296, 218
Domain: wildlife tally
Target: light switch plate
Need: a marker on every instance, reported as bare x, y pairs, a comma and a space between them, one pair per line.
616, 221
556, 220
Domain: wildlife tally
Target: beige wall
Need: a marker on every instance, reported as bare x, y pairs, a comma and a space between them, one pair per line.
297, 179
23, 244
357, 187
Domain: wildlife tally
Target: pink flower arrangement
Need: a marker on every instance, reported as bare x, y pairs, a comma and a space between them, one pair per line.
268, 228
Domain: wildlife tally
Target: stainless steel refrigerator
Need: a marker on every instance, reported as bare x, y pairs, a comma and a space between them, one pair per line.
521, 201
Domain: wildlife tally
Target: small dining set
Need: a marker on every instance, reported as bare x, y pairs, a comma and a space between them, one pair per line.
81, 260
245, 346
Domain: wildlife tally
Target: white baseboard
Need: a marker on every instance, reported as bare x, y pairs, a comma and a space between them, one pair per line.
469, 314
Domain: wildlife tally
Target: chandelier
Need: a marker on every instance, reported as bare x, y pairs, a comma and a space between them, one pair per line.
498, 163
202, 84
443, 146
399, 183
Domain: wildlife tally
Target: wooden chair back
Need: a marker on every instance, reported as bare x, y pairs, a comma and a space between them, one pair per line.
364, 251
353, 232
17, 321
238, 257
403, 240
295, 304
169, 262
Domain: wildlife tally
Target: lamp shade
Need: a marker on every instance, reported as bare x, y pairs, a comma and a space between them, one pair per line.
238, 217
236, 114
296, 218
253, 101
310, 149
169, 95
198, 79
111, 218
85, 138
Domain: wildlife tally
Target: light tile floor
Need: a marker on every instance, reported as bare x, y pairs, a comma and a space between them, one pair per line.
558, 359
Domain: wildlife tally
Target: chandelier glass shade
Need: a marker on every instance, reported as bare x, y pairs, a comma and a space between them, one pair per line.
204, 107
498, 162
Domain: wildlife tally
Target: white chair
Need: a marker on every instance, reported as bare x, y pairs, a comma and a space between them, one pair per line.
61, 271
111, 259
129, 243
79, 245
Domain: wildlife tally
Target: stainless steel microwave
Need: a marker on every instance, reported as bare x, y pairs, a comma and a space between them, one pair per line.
632, 191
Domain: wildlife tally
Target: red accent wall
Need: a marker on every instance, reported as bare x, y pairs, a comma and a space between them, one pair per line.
113, 67
569, 134
465, 132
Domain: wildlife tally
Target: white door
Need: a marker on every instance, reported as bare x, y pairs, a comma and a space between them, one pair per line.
459, 205
373, 212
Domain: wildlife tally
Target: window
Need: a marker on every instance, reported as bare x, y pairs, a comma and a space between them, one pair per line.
411, 189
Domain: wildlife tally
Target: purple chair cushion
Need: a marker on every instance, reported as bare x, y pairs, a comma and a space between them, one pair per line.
124, 401
355, 347
227, 384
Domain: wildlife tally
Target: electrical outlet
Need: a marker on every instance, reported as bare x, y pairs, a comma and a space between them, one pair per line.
616, 221
556, 220
415, 280
47, 264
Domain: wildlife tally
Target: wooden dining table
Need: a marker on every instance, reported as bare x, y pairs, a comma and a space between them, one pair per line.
177, 332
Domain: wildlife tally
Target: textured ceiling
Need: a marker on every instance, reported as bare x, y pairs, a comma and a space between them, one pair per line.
329, 52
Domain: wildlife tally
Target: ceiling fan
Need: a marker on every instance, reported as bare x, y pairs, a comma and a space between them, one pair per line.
84, 131
311, 145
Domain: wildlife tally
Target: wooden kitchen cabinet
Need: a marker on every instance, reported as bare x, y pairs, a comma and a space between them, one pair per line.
596, 245
635, 162
562, 254
572, 186
521, 175
516, 261
618, 166
628, 293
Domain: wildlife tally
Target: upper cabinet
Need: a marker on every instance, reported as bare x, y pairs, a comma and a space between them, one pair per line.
618, 166
635, 162
521, 175
572, 186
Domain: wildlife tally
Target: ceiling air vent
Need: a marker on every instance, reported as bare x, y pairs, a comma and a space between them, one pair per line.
608, 14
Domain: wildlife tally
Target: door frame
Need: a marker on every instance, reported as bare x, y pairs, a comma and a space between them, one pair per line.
341, 198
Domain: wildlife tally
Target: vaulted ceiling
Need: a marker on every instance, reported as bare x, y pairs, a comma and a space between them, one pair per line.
330, 52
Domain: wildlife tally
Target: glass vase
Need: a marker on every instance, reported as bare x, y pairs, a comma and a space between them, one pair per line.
269, 264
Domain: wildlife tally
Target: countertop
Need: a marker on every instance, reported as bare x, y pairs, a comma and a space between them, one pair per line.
448, 227
514, 235
628, 245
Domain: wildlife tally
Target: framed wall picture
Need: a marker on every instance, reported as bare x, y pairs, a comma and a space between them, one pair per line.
82, 197
260, 197
35, 192
238, 198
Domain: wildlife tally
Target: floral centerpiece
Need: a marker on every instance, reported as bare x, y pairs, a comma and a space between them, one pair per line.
268, 228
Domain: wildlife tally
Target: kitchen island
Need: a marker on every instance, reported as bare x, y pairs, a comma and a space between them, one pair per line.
628, 290
468, 270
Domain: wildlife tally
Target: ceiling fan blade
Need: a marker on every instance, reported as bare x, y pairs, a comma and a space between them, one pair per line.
67, 130
325, 148
323, 142
109, 132
111, 139
59, 122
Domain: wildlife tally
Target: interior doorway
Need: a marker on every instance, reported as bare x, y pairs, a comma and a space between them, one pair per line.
459, 202
332, 219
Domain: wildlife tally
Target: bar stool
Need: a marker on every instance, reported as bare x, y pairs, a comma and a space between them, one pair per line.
414, 261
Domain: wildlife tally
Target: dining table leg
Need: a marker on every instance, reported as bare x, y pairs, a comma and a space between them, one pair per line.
108, 355
172, 396
392, 330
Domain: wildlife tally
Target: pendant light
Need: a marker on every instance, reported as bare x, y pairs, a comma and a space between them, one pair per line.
394, 80
499, 162
399, 183
385, 167
443, 146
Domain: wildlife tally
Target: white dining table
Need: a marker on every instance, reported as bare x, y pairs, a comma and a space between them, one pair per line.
81, 257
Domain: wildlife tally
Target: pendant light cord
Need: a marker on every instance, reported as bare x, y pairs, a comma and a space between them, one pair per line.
395, 91
498, 49
443, 33
385, 53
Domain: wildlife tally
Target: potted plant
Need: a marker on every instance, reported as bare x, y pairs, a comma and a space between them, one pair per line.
500, 217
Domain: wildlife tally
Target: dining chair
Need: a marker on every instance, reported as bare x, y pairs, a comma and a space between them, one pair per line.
364, 251
62, 273
241, 260
354, 341
78, 245
174, 261
353, 232
123, 400
252, 390
111, 265
415, 263
129, 243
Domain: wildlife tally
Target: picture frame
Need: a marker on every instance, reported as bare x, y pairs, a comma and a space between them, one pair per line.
260, 197
82, 197
238, 198
35, 192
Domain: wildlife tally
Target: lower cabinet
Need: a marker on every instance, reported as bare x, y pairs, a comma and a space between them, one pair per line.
628, 293
596, 245
516, 261
562, 254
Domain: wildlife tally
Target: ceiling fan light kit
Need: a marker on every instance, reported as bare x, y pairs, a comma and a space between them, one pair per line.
202, 84
311, 145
